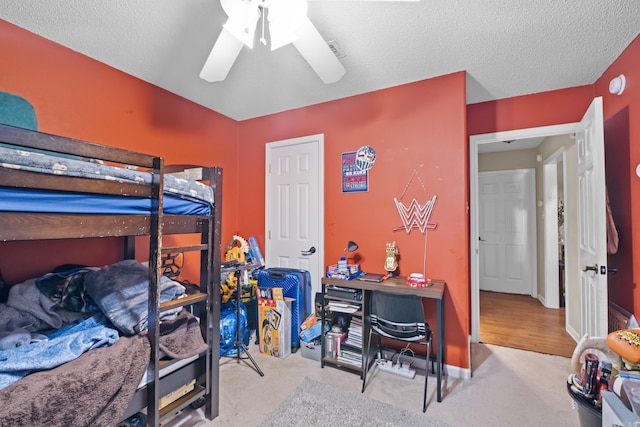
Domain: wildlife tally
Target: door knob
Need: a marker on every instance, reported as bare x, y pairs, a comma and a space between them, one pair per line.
593, 268
311, 251
481, 239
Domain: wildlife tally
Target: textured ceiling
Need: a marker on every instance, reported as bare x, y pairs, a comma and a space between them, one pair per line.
507, 47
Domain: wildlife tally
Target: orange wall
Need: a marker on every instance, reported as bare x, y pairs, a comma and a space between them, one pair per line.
622, 131
422, 126
407, 125
418, 126
78, 97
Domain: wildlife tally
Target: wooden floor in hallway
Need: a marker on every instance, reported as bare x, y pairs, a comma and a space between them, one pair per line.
521, 321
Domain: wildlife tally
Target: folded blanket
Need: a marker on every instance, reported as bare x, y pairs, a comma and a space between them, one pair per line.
26, 305
181, 338
93, 390
63, 345
121, 291
66, 289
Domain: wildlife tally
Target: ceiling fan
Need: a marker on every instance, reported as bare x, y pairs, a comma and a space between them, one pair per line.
288, 23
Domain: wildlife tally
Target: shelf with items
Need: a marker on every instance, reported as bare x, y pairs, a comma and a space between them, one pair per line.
344, 316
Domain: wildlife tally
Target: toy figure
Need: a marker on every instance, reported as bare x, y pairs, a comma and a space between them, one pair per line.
236, 250
391, 263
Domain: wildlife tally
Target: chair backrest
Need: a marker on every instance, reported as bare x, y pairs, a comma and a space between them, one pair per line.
398, 316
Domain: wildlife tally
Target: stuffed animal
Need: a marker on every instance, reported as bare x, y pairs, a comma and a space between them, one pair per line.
626, 343
598, 346
13, 335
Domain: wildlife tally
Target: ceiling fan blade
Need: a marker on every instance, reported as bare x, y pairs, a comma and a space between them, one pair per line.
384, 0
317, 53
221, 58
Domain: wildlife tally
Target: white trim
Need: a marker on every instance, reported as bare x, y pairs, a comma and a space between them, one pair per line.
550, 229
474, 141
457, 372
568, 296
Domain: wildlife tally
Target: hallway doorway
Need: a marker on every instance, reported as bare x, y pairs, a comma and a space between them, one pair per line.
521, 150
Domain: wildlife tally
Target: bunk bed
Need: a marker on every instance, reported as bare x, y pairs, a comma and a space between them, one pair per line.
59, 203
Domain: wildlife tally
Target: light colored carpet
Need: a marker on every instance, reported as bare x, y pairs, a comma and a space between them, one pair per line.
508, 387
313, 403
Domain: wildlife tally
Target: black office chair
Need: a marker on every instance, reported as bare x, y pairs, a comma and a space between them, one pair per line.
402, 318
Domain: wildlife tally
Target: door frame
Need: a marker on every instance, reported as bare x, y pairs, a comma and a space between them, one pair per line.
318, 139
550, 221
474, 142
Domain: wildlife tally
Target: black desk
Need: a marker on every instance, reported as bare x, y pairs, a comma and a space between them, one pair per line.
399, 285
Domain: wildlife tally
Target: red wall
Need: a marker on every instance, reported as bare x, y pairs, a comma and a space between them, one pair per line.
622, 139
528, 111
78, 97
622, 150
418, 126
407, 125
423, 126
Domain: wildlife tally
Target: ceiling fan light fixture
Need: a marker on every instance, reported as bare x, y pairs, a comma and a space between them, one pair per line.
281, 35
289, 16
284, 17
243, 19
241, 32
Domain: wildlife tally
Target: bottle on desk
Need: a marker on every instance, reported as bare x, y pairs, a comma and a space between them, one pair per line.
329, 345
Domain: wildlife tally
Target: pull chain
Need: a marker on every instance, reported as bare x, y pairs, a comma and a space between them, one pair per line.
262, 39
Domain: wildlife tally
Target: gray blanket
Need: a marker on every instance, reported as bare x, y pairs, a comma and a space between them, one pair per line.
121, 290
28, 160
96, 388
93, 390
181, 338
28, 306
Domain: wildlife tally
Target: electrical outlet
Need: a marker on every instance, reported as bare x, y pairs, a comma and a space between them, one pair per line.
397, 369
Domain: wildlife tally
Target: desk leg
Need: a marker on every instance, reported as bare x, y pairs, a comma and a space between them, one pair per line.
440, 349
322, 320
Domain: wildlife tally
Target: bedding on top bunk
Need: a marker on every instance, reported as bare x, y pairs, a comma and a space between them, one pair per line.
41, 201
182, 196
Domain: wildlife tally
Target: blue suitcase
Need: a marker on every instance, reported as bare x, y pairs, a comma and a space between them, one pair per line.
295, 284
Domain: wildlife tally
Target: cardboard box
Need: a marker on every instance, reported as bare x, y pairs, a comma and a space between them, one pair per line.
274, 322
177, 394
311, 350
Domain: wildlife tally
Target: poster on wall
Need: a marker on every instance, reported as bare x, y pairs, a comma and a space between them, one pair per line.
355, 169
354, 179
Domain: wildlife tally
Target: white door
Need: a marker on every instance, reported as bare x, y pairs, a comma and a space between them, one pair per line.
507, 231
294, 205
592, 236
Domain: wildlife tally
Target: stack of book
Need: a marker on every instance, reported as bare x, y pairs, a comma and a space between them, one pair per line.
337, 338
354, 336
351, 357
343, 307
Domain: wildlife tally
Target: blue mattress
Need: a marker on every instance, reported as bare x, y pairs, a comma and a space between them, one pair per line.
181, 196
43, 201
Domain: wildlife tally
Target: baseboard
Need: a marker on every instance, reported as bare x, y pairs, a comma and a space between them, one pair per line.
458, 372
573, 333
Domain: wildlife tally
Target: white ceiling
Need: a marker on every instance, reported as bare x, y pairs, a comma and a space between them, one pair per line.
507, 47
